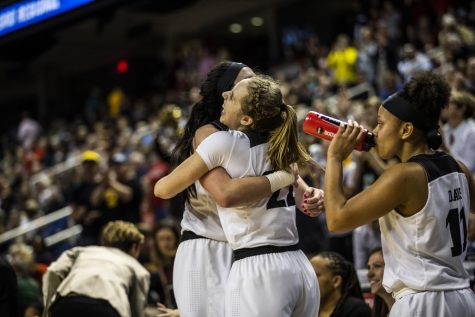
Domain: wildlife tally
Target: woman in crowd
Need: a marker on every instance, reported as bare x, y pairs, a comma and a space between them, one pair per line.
340, 292
423, 202
383, 301
162, 256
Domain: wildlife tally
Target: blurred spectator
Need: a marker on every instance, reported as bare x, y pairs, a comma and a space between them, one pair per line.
342, 60
34, 309
471, 74
386, 58
459, 131
49, 194
340, 292
412, 62
471, 238
8, 288
365, 239
367, 50
157, 206
162, 256
383, 300
84, 213
452, 31
390, 20
119, 195
99, 281
22, 260
28, 131
116, 101
94, 106
42, 254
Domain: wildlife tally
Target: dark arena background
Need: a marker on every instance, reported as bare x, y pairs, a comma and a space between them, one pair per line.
90, 85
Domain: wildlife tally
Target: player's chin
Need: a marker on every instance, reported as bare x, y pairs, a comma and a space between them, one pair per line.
382, 154
222, 118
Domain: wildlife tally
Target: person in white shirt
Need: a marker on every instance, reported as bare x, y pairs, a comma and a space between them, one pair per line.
422, 203
459, 131
99, 281
267, 263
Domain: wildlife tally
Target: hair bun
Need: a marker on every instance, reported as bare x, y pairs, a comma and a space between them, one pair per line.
434, 139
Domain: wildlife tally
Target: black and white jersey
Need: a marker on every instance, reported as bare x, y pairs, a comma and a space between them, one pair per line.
200, 215
267, 222
426, 250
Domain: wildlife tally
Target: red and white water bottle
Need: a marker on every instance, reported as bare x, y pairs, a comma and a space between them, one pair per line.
325, 127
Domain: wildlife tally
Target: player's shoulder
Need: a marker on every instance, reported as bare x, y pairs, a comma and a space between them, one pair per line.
203, 132
405, 175
405, 169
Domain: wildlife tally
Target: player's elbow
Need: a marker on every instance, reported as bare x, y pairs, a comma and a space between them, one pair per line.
335, 225
225, 201
226, 198
162, 191
332, 226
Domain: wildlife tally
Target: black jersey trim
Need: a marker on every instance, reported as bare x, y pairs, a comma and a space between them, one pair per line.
240, 254
218, 125
256, 138
437, 165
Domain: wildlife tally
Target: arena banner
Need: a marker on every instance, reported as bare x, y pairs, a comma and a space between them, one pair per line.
28, 12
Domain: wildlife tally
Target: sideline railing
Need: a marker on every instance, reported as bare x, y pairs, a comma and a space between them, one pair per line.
38, 223
56, 169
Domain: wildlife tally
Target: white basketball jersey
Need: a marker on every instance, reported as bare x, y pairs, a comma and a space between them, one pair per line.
201, 216
426, 250
267, 222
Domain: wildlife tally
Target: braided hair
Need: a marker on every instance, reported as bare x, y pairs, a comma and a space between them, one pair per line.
350, 286
263, 103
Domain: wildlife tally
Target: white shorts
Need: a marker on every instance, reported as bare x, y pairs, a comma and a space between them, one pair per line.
199, 275
274, 285
456, 303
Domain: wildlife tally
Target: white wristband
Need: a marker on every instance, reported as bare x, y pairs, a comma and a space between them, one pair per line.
280, 179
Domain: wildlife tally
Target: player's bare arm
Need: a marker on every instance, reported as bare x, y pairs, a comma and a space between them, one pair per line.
392, 190
181, 177
309, 200
226, 191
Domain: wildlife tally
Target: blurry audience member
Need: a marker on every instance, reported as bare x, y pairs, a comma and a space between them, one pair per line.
162, 257
81, 198
22, 260
470, 72
471, 238
119, 195
340, 292
34, 309
28, 131
383, 300
342, 60
157, 206
367, 50
459, 131
365, 238
412, 62
99, 281
9, 287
